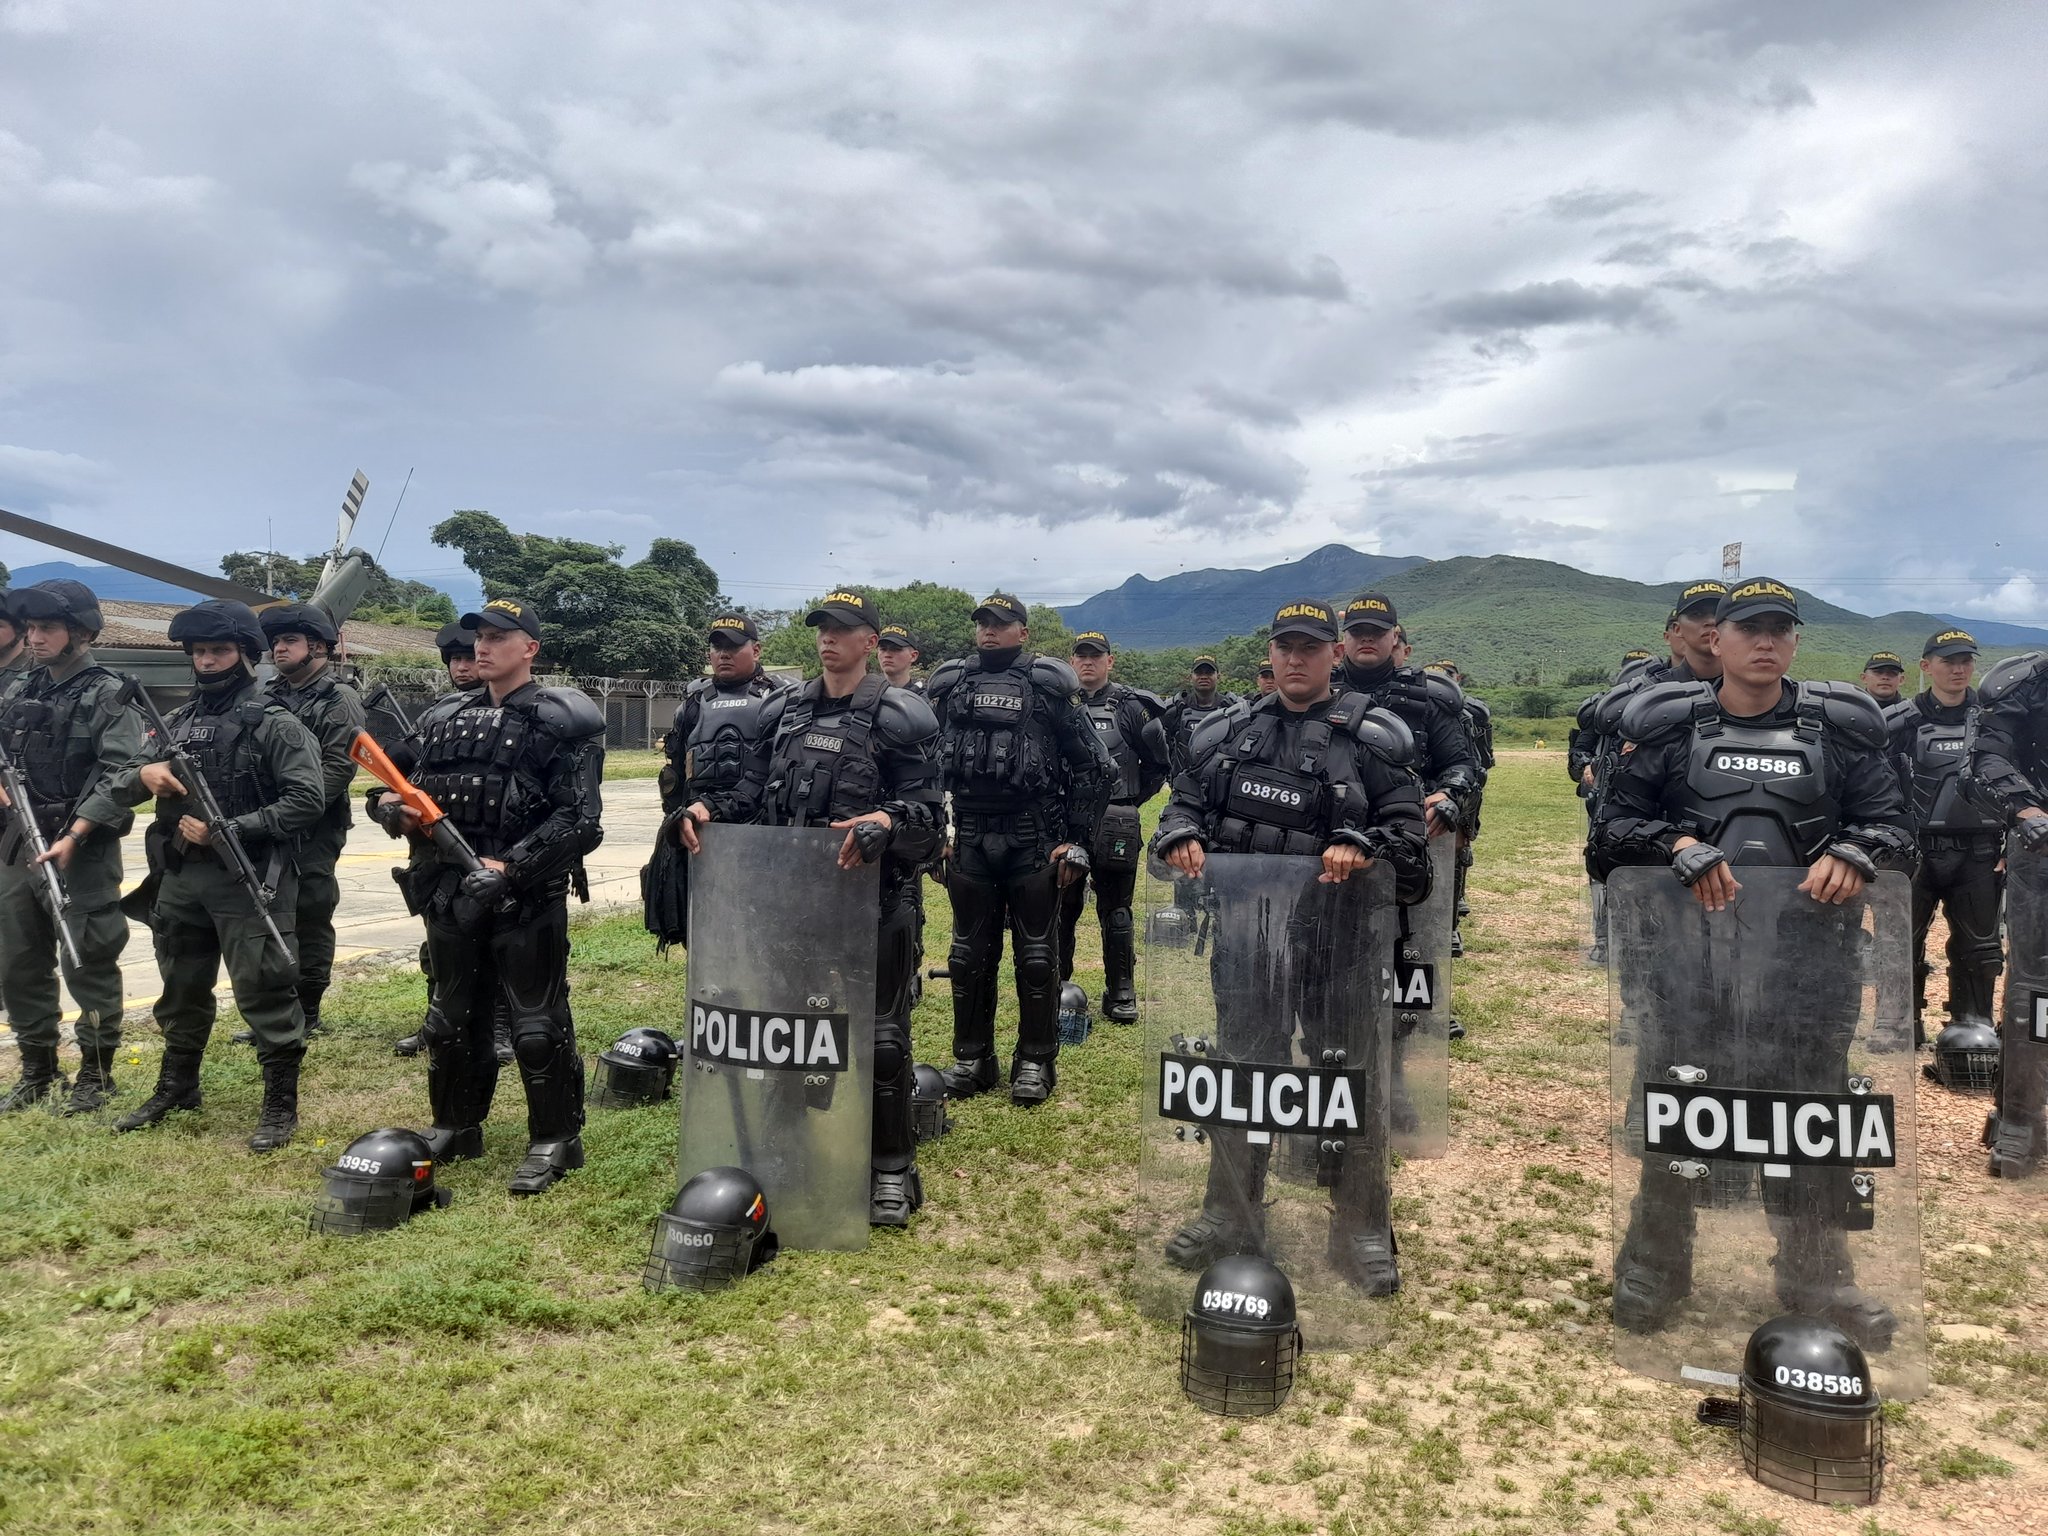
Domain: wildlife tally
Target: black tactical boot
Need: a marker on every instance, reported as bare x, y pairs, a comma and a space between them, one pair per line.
279, 1121
2015, 1145
39, 1079
177, 1087
1457, 943
1816, 1278
452, 1144
968, 1077
406, 1045
1653, 1271
1031, 1083
545, 1164
894, 1195
95, 1084
1233, 1218
1366, 1257
242, 1037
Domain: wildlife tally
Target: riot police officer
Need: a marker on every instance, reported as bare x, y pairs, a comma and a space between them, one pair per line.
517, 768
264, 770
1200, 699
1961, 843
1029, 780
1883, 678
302, 642
1478, 718
1305, 770
1128, 723
1267, 682
1685, 794
72, 737
1428, 703
853, 750
1694, 618
1586, 753
898, 656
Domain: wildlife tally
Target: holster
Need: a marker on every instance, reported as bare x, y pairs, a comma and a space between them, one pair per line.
1119, 842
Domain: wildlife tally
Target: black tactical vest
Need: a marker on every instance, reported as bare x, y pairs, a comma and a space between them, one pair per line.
1937, 761
825, 769
1000, 741
730, 721
306, 706
486, 765
56, 761
222, 744
1278, 781
1104, 713
1761, 791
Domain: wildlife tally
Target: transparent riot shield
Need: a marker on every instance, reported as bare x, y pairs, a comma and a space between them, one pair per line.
1762, 1125
1421, 983
777, 1075
2018, 1133
1266, 1122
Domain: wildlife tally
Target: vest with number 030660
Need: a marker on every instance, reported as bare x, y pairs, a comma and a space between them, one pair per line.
824, 769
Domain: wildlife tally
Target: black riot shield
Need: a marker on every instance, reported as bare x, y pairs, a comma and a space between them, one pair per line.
2018, 1133
777, 1075
1762, 1123
1268, 1047
1421, 983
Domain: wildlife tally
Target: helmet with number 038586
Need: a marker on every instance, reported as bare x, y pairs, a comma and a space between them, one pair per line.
928, 1118
1239, 1338
1966, 1057
714, 1234
1812, 1423
380, 1181
637, 1068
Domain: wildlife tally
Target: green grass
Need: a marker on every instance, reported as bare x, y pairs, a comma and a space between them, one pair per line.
178, 1357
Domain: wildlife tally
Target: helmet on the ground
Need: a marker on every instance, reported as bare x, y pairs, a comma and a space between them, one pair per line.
69, 602
306, 619
218, 618
1966, 1057
714, 1234
1239, 1338
1167, 927
1812, 1424
637, 1068
928, 1118
380, 1181
1074, 1020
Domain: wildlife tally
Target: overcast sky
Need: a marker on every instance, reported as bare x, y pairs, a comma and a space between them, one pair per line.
1042, 294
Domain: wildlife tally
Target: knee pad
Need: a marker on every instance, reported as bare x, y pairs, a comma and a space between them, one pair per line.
1117, 922
892, 1052
1038, 966
436, 1033
536, 1040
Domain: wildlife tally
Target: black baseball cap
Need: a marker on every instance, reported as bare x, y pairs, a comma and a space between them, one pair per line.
1265, 669
733, 629
1949, 642
504, 613
896, 637
1305, 616
1709, 592
1371, 610
843, 605
1004, 608
1093, 641
1759, 594
1638, 654
1884, 661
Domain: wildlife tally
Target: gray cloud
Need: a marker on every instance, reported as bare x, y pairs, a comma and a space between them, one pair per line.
1565, 301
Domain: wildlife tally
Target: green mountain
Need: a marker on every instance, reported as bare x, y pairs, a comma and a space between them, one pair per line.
1198, 607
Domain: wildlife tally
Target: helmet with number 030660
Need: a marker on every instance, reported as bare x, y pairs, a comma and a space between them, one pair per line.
714, 1234
1812, 1423
928, 1118
637, 1068
1966, 1057
380, 1181
1239, 1338
1074, 1018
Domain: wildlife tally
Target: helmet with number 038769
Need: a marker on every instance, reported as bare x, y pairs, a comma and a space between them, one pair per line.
714, 1234
380, 1181
1812, 1423
1239, 1338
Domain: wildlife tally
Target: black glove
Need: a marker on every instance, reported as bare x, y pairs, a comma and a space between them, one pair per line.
1691, 863
1445, 814
390, 813
487, 887
1076, 859
1855, 857
869, 839
2034, 833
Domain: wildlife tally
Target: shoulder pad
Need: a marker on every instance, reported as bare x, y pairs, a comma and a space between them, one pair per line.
1053, 677
569, 712
2010, 674
1217, 727
768, 684
1387, 735
698, 687
1589, 712
1155, 706
1905, 712
1478, 709
446, 705
1609, 706
1660, 709
1447, 694
1850, 710
944, 677
903, 719
775, 705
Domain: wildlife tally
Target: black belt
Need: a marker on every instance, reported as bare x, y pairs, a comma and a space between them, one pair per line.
1986, 841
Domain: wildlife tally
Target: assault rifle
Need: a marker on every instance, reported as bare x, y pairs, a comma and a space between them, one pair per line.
23, 811
224, 839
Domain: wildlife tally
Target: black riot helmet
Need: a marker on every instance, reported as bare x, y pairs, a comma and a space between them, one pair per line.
452, 638
218, 618
713, 1235
1239, 1338
1812, 1424
70, 602
380, 1181
1074, 1019
1168, 927
1966, 1057
638, 1068
8, 619
928, 1118
308, 619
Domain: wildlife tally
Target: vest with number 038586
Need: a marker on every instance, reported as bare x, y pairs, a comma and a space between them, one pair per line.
1759, 792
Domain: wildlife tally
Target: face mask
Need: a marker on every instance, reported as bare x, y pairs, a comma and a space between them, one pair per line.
215, 684
997, 661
